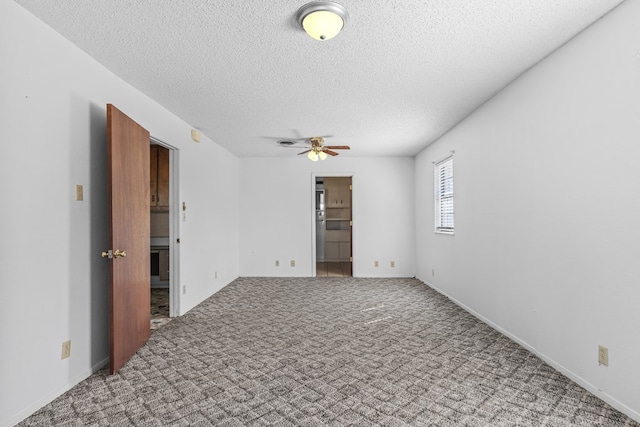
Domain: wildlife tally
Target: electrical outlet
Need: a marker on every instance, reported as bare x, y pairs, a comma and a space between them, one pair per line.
393, 264
277, 263
376, 264
293, 263
79, 193
216, 275
66, 349
603, 355
433, 273
184, 289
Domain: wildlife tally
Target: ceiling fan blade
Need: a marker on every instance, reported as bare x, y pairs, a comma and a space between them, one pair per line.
329, 152
284, 138
304, 152
307, 138
338, 147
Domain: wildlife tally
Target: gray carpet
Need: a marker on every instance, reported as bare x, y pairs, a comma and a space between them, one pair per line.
336, 352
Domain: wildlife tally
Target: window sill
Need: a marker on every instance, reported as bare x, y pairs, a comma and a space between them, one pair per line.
450, 233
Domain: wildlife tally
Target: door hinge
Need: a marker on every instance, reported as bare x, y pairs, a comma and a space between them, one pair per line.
350, 259
350, 187
350, 223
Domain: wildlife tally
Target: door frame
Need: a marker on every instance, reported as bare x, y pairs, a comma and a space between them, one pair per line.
354, 187
174, 227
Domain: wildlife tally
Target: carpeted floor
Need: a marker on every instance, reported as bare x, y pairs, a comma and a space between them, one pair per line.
329, 351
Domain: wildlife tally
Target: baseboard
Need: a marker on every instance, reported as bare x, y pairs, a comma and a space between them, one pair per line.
557, 366
25, 413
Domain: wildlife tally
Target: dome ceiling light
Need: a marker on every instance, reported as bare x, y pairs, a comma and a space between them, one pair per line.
322, 20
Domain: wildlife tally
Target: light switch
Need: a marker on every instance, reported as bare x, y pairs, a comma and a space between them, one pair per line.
79, 193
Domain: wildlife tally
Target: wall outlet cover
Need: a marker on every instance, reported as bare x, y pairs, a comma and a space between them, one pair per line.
66, 349
603, 355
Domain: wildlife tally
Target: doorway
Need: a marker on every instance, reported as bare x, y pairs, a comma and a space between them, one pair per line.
163, 243
333, 226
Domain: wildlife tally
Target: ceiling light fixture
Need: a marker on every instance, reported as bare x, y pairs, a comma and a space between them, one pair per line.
316, 154
322, 20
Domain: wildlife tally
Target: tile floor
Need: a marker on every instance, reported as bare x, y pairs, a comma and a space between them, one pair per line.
333, 269
159, 307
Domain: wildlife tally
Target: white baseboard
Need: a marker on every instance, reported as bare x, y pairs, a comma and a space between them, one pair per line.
22, 415
560, 368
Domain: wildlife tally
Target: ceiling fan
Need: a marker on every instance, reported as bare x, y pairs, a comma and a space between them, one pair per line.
318, 151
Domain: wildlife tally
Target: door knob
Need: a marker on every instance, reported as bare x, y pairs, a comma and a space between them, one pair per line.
114, 254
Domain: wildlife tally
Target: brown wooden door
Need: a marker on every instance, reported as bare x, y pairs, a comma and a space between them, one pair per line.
129, 291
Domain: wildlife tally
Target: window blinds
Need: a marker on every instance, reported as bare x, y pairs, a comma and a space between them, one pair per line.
444, 195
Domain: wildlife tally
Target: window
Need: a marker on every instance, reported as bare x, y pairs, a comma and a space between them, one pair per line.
444, 195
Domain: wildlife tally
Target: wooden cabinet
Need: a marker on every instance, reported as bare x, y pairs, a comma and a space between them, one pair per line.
337, 245
331, 251
344, 250
338, 219
337, 192
159, 178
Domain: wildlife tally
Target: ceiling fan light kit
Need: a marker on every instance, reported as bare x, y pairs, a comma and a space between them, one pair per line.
315, 155
322, 20
319, 151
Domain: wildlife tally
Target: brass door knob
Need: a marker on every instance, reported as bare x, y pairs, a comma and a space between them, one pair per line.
118, 253
107, 254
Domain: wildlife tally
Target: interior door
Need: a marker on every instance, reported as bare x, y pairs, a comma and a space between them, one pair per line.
129, 290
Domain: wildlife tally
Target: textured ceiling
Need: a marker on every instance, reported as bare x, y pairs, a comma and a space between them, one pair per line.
401, 73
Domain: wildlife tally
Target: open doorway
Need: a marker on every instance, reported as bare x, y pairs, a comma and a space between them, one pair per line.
163, 211
333, 226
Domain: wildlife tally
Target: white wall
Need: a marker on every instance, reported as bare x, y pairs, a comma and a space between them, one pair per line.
277, 214
547, 183
53, 280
